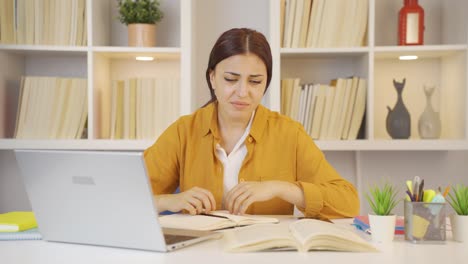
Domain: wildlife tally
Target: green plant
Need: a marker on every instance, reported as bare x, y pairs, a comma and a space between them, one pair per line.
459, 199
139, 11
382, 200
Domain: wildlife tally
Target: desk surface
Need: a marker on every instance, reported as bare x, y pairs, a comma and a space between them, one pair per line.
399, 251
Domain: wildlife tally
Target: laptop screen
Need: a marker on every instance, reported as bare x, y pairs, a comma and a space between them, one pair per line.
92, 197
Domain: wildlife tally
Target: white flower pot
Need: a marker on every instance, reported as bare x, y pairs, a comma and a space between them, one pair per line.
382, 227
459, 227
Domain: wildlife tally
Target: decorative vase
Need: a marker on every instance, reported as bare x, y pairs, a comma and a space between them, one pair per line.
459, 227
429, 123
398, 119
382, 227
142, 35
411, 24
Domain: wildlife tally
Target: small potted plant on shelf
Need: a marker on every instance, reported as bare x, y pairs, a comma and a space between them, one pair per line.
141, 17
458, 199
382, 201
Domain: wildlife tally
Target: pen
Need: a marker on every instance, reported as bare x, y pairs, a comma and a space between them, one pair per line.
410, 196
420, 191
416, 182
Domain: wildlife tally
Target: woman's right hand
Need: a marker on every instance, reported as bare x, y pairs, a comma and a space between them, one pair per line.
195, 201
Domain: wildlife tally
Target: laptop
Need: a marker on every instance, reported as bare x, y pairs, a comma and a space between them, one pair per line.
98, 198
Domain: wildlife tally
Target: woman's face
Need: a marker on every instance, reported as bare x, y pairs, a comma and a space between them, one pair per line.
239, 83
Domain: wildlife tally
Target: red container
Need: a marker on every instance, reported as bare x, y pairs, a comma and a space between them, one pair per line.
411, 24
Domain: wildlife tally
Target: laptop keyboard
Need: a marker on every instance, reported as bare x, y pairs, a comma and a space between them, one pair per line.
172, 239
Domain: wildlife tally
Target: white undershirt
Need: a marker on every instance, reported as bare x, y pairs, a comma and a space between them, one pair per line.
233, 162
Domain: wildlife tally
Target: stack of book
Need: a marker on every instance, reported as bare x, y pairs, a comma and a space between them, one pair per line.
43, 22
142, 108
51, 108
328, 112
320, 23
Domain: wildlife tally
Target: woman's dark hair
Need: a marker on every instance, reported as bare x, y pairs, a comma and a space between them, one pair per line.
239, 41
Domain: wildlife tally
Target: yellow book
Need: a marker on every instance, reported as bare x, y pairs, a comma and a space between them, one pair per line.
17, 221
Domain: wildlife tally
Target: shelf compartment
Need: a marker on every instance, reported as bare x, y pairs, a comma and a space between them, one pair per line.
24, 62
324, 67
109, 66
443, 67
445, 22
107, 30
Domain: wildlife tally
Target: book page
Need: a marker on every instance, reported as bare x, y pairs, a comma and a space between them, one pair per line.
314, 234
258, 237
242, 220
195, 222
213, 221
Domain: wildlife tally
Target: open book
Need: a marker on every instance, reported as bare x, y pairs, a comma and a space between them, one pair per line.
302, 235
213, 221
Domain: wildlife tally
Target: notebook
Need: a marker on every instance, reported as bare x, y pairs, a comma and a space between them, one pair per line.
97, 198
29, 234
17, 221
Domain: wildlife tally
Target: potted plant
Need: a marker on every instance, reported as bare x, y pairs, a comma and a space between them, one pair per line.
458, 199
382, 201
141, 17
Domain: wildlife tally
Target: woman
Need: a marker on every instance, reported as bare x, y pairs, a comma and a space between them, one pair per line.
237, 155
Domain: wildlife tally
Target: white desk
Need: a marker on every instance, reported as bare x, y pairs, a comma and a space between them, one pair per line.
400, 251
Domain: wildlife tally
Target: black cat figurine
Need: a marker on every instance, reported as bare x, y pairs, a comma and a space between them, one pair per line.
398, 118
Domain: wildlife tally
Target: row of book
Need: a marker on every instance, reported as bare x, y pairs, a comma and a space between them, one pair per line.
327, 112
51, 108
323, 24
142, 108
43, 22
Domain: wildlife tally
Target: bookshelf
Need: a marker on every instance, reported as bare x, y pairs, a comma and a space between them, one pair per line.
442, 62
185, 37
104, 58
186, 27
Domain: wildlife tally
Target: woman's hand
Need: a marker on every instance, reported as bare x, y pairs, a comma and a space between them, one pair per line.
195, 201
244, 194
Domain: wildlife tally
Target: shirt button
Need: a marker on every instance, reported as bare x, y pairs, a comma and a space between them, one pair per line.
250, 139
241, 180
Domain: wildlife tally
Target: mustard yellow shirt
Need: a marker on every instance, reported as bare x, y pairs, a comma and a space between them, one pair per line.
278, 148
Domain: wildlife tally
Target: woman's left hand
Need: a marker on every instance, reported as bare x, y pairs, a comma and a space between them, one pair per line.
244, 194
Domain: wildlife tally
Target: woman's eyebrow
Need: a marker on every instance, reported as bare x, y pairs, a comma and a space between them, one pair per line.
256, 75
237, 74
233, 73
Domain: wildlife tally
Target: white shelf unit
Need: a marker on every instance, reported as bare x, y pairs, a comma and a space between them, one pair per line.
106, 57
187, 27
442, 62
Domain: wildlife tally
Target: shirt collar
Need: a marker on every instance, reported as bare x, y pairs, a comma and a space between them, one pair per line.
258, 124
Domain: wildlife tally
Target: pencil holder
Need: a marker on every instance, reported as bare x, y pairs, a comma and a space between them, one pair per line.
425, 222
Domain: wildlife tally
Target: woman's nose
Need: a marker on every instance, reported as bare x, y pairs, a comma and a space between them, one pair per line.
242, 90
